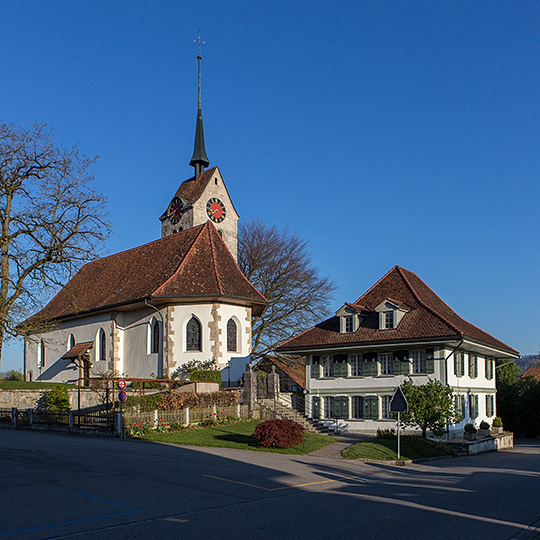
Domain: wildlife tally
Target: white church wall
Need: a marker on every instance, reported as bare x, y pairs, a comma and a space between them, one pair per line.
56, 345
213, 319
137, 358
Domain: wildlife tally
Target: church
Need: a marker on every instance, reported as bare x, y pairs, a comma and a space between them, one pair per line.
146, 311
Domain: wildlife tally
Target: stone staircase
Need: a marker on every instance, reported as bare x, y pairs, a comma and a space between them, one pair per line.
280, 410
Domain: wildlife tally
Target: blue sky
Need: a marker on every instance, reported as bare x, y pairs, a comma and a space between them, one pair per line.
383, 133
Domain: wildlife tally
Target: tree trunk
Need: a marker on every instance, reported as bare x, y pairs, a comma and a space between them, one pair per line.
424, 432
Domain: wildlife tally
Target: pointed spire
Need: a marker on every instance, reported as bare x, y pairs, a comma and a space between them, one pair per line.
199, 160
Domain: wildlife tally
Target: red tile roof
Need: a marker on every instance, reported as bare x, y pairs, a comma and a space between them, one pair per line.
428, 318
189, 264
532, 372
295, 368
79, 349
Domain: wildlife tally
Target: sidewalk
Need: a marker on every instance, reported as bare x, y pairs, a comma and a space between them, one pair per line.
333, 451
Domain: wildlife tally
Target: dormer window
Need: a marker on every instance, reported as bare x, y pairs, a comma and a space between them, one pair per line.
391, 312
350, 318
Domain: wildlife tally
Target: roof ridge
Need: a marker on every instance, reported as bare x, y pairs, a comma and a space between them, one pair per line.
183, 260
423, 304
212, 249
376, 283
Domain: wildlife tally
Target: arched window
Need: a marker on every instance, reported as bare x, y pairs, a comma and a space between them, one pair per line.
193, 335
156, 337
102, 345
41, 354
231, 335
71, 342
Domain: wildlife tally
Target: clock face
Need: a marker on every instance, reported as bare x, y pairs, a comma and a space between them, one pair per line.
215, 210
175, 210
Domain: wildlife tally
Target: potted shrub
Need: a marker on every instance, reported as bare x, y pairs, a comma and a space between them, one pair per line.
497, 425
484, 429
469, 432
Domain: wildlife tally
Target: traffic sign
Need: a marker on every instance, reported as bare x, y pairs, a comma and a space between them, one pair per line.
122, 396
121, 384
398, 403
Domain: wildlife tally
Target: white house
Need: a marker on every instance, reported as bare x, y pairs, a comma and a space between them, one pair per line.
398, 329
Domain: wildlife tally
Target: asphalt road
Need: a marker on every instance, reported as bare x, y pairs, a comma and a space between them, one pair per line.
60, 486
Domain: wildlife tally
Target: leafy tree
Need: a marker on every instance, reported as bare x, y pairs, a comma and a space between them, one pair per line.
51, 220
279, 266
506, 372
431, 406
57, 399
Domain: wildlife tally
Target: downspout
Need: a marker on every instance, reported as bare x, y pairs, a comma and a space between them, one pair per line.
163, 356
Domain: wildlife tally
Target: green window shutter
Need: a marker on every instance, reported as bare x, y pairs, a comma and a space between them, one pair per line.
367, 407
316, 407
476, 405
373, 407
317, 371
457, 357
345, 408
397, 366
488, 405
369, 364
430, 362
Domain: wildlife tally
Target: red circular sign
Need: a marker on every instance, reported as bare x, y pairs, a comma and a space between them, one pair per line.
122, 396
121, 384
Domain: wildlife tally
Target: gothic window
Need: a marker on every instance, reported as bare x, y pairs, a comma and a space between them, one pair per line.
156, 337
102, 345
193, 335
231, 335
71, 342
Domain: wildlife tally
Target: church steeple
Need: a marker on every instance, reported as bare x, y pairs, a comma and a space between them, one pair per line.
199, 160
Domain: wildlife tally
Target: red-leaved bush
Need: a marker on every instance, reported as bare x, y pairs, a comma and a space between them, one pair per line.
279, 433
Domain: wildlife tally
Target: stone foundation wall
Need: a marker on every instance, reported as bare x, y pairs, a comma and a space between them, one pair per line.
35, 399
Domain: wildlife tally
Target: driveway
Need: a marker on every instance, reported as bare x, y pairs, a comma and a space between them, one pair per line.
61, 486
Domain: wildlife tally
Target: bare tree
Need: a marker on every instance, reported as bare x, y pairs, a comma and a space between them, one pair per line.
278, 264
51, 220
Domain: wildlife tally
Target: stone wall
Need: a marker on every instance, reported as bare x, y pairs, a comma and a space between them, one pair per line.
35, 399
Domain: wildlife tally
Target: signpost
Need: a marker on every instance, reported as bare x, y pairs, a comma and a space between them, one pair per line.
398, 404
122, 396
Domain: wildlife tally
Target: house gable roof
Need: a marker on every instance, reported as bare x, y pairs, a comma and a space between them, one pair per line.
194, 263
428, 317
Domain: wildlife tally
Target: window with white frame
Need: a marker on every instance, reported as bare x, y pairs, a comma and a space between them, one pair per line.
385, 406
348, 324
418, 361
389, 320
41, 354
102, 345
329, 407
387, 364
356, 365
328, 366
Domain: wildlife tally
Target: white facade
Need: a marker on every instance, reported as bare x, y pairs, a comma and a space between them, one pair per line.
355, 390
130, 348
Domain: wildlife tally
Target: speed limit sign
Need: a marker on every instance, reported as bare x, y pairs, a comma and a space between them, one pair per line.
121, 384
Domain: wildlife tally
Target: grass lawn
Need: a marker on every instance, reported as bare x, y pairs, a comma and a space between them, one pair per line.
412, 447
236, 436
27, 385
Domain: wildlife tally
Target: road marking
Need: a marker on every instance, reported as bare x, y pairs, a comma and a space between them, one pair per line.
176, 520
417, 506
269, 489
